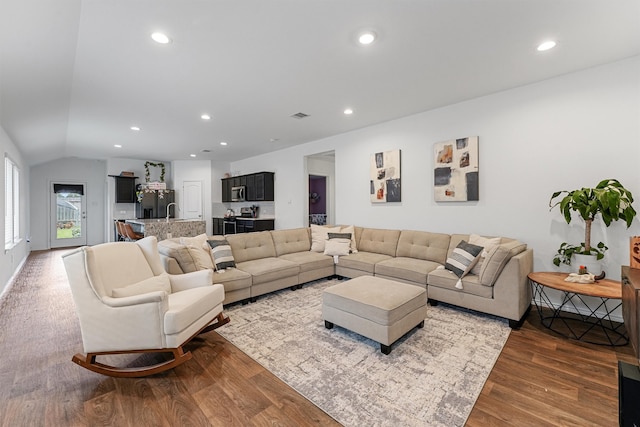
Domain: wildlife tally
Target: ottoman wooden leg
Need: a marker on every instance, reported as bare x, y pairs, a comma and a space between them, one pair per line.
385, 349
328, 324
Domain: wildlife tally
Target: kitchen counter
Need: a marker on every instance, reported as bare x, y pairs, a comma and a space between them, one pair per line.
162, 229
238, 224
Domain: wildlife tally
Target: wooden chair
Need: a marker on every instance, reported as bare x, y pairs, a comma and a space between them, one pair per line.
120, 233
130, 234
138, 307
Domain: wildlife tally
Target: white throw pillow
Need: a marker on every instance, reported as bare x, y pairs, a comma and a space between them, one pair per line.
319, 236
337, 247
351, 229
152, 284
488, 244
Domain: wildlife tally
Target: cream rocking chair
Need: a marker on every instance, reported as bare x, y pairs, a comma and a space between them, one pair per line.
127, 303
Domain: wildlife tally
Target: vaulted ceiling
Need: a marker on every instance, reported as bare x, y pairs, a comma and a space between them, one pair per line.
76, 75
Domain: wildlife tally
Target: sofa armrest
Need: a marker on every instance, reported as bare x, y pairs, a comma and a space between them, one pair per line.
512, 290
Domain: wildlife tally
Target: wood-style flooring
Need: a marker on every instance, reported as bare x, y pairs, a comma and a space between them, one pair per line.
540, 379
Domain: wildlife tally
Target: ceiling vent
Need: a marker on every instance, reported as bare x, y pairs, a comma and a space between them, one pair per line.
299, 115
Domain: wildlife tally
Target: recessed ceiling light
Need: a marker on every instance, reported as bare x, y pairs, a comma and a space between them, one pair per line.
367, 37
136, 128
223, 143
274, 139
546, 45
160, 38
348, 111
205, 117
117, 145
192, 155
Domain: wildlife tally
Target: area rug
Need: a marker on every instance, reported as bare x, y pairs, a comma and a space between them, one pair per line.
432, 377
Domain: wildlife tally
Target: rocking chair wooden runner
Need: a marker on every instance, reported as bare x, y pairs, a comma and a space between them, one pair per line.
127, 303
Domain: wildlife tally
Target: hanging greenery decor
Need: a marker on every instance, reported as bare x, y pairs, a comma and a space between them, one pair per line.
147, 175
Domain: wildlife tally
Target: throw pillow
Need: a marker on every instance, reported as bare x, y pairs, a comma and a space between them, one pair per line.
152, 284
340, 236
196, 241
497, 259
319, 236
337, 247
462, 260
488, 244
201, 257
351, 229
221, 254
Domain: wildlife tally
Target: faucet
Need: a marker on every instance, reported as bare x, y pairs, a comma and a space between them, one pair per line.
168, 206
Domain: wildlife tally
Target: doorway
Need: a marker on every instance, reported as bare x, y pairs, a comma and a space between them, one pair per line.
320, 172
317, 200
68, 215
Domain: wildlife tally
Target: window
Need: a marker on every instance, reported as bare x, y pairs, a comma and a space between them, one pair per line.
11, 203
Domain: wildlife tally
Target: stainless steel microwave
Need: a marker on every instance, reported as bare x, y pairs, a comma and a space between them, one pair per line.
238, 193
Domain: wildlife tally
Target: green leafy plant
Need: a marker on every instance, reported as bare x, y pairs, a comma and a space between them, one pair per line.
609, 199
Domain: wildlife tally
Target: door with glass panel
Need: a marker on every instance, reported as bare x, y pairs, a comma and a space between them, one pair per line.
68, 215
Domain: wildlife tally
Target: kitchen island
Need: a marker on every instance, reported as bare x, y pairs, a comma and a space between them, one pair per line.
164, 230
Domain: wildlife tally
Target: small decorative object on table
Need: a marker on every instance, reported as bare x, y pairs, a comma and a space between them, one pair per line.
582, 269
634, 251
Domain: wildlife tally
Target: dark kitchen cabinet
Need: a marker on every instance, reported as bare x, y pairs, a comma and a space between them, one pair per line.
125, 188
226, 189
259, 187
218, 226
264, 186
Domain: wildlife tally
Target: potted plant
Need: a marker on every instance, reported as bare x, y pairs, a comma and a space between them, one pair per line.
609, 199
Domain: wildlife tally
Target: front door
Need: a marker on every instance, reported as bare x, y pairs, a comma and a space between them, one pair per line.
68, 215
192, 202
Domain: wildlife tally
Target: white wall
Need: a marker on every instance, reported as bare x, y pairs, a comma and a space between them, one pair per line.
11, 260
194, 170
559, 134
71, 169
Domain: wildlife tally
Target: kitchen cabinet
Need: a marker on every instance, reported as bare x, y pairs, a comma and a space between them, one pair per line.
218, 226
259, 187
125, 188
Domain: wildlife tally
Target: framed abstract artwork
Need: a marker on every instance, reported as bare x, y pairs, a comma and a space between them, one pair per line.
455, 174
384, 185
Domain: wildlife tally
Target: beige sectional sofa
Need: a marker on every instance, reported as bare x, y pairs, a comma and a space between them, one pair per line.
267, 261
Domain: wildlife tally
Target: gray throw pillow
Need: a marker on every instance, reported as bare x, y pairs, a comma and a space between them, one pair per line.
221, 253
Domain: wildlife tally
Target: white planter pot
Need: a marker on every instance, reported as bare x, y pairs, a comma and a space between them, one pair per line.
594, 266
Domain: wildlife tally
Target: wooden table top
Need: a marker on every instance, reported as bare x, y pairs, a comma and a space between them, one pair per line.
602, 288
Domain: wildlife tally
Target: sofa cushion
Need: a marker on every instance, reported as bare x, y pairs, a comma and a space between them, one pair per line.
152, 284
363, 261
379, 241
446, 279
291, 241
251, 246
319, 236
265, 270
309, 261
188, 306
497, 259
405, 268
221, 254
232, 279
423, 245
462, 259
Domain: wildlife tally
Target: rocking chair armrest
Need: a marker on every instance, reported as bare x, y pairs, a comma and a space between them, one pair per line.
194, 279
150, 297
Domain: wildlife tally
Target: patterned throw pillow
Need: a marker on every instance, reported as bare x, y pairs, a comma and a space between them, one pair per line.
221, 254
462, 260
339, 236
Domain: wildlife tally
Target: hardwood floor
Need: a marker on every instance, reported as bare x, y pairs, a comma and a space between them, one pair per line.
539, 378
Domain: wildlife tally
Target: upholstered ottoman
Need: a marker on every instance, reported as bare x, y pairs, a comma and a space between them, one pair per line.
380, 309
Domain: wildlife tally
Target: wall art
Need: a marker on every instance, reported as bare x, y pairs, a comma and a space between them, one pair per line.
455, 176
385, 177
